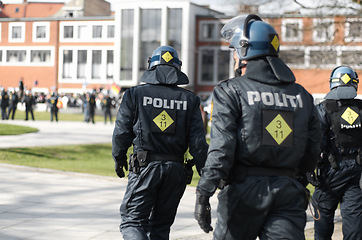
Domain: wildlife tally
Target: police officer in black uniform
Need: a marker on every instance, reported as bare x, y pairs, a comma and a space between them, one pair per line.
29, 105
264, 132
91, 106
14, 100
340, 167
107, 105
52, 103
4, 103
161, 121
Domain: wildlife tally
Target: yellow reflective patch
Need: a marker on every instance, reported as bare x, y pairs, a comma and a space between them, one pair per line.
167, 56
349, 116
345, 78
275, 43
212, 108
278, 129
163, 120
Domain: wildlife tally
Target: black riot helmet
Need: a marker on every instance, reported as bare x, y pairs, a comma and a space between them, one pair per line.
164, 55
251, 37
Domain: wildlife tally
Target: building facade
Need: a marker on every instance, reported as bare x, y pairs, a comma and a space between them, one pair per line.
73, 53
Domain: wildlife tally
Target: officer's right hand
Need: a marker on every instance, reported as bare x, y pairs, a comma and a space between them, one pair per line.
119, 168
203, 212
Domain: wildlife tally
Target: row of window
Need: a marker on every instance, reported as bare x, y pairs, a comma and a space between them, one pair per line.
41, 56
216, 64
69, 31
85, 64
292, 30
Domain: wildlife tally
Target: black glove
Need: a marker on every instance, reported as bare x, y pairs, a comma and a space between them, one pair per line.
203, 212
118, 166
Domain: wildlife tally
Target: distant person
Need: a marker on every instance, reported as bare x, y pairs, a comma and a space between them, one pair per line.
4, 103
53, 105
107, 105
14, 100
91, 105
29, 101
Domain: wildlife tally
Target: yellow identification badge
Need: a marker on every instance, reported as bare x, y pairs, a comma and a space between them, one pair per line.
350, 118
163, 121
277, 128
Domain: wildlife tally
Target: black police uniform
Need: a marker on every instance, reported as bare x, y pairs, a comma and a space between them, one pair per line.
53, 101
14, 100
161, 120
265, 128
91, 106
340, 167
29, 105
107, 105
4, 103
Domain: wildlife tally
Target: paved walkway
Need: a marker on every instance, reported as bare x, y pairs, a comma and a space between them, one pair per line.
42, 204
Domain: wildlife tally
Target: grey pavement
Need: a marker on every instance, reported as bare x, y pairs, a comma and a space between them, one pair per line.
41, 204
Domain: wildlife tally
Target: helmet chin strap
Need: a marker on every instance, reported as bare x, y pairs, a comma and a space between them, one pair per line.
239, 70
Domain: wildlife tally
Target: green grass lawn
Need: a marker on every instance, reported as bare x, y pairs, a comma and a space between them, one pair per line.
10, 129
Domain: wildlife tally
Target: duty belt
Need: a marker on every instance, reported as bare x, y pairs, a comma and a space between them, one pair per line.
145, 156
272, 172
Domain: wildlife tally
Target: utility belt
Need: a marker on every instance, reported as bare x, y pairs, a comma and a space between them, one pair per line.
243, 172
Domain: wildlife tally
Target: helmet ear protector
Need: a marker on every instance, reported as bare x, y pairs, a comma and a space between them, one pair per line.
164, 55
343, 76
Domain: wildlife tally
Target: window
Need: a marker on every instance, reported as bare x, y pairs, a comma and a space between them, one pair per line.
109, 64
323, 30
67, 63
41, 31
293, 58
150, 35
353, 30
175, 29
17, 32
96, 63
14, 56
110, 31
292, 30
1, 55
208, 31
352, 58
37, 56
0, 32
223, 66
82, 63
323, 58
215, 65
97, 31
68, 31
207, 64
126, 44
83, 32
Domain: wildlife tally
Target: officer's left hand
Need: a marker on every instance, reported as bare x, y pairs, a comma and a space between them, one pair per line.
203, 212
119, 168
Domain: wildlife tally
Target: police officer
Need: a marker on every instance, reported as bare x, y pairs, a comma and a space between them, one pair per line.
14, 100
53, 105
4, 103
107, 105
264, 131
340, 166
162, 121
91, 106
29, 105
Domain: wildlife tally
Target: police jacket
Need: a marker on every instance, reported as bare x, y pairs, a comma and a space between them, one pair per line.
341, 127
53, 101
161, 118
261, 119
